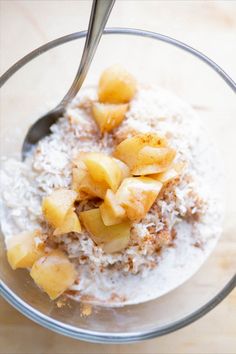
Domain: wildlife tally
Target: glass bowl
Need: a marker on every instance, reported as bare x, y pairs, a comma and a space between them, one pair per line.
36, 83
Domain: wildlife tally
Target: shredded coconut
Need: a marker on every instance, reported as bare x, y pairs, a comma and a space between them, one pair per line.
162, 252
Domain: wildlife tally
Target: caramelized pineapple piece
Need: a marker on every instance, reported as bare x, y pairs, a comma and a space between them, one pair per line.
71, 223
117, 244
127, 151
166, 176
78, 174
136, 195
86, 187
149, 155
78, 161
108, 116
103, 169
116, 85
105, 235
53, 273
83, 183
176, 170
153, 160
125, 171
24, 249
111, 212
89, 189
56, 206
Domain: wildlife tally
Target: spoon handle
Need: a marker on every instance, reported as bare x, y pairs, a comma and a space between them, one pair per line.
100, 12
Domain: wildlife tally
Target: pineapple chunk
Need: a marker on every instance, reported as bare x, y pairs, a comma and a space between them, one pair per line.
123, 167
56, 206
23, 249
105, 235
127, 151
117, 244
111, 212
108, 116
83, 183
116, 85
176, 169
78, 174
136, 195
166, 176
78, 161
103, 169
86, 187
89, 189
54, 273
70, 224
153, 160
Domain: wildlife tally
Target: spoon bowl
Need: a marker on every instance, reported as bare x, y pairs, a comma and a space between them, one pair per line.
40, 129
100, 13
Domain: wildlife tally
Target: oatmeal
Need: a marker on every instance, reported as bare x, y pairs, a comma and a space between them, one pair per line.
116, 206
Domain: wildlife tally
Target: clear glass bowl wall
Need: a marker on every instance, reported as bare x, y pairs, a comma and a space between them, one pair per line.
39, 85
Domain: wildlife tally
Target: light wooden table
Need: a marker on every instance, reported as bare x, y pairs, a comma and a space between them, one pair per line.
209, 26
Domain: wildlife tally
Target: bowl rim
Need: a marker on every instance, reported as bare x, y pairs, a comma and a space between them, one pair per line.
94, 336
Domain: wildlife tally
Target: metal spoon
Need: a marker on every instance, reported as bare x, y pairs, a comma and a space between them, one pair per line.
100, 12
